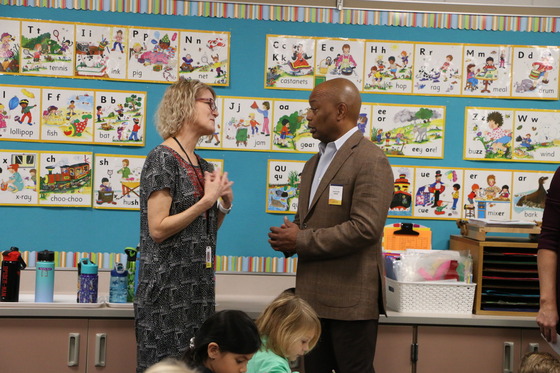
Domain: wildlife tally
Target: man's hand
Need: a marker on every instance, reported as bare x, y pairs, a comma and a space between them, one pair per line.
283, 238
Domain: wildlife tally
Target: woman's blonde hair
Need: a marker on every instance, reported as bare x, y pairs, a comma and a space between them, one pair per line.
178, 106
169, 365
287, 319
539, 362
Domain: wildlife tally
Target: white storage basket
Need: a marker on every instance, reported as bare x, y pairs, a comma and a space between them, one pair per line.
452, 297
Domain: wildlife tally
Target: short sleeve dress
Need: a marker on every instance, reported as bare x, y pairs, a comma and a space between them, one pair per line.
175, 288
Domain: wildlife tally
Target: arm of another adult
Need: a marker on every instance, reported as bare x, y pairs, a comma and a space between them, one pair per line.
547, 261
162, 225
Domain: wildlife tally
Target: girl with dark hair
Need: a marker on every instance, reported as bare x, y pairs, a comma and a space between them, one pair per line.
224, 344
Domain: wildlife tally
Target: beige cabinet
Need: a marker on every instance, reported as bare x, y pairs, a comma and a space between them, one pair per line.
393, 350
67, 345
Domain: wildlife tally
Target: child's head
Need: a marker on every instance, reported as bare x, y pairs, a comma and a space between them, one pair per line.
125, 162
391, 59
539, 362
346, 48
505, 188
225, 342
169, 365
449, 57
490, 61
471, 66
495, 118
290, 326
266, 105
456, 186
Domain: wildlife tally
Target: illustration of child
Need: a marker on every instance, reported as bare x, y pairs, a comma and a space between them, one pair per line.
393, 67
105, 185
489, 67
526, 142
99, 112
284, 131
475, 188
26, 111
404, 59
33, 177
137, 50
540, 69
380, 66
499, 135
387, 138
118, 41
187, 63
472, 81
15, 181
502, 64
254, 124
455, 196
264, 113
5, 48
345, 62
120, 130
65, 47
398, 138
3, 117
447, 64
379, 137
37, 52
362, 122
217, 65
71, 108
120, 111
125, 174
375, 76
504, 194
135, 128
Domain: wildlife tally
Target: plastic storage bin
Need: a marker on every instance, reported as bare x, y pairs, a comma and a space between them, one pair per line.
452, 297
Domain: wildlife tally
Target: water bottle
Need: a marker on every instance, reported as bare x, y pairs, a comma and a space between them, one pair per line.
131, 254
44, 276
88, 281
12, 264
119, 284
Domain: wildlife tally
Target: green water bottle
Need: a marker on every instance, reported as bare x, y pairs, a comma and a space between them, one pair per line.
131, 254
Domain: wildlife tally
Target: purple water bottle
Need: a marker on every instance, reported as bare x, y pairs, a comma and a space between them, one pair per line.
88, 281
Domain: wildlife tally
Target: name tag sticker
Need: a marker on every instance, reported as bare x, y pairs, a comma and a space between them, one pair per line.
335, 194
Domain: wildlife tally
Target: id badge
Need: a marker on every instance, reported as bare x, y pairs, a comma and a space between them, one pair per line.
208, 257
335, 194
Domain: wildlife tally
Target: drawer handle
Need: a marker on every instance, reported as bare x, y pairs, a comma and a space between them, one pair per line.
508, 357
73, 349
100, 349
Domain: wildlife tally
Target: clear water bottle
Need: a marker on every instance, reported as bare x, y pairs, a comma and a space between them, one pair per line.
118, 285
89, 281
44, 276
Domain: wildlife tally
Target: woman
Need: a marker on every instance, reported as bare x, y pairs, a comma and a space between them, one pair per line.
547, 262
183, 202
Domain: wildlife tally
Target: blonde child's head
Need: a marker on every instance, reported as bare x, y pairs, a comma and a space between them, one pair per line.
169, 366
539, 362
289, 324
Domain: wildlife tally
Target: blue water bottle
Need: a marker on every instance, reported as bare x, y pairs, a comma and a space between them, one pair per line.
44, 276
118, 285
88, 281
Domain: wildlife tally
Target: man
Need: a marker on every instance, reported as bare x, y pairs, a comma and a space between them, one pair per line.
345, 194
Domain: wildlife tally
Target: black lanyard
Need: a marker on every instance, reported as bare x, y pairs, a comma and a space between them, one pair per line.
189, 159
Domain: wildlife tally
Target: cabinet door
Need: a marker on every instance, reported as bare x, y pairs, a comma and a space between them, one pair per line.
45, 345
467, 349
531, 340
392, 353
112, 346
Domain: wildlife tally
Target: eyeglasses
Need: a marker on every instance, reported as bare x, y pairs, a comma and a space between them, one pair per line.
210, 101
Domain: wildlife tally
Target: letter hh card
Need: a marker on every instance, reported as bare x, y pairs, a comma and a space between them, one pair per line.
388, 67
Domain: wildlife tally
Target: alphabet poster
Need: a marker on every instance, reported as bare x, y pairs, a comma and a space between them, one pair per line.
45, 48
289, 128
487, 70
65, 179
530, 194
437, 69
120, 118
339, 58
101, 51
205, 56
401, 204
535, 72
282, 192
409, 131
247, 124
18, 177
153, 54
117, 181
389, 67
488, 194
10, 46
522, 135
437, 193
289, 62
20, 113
